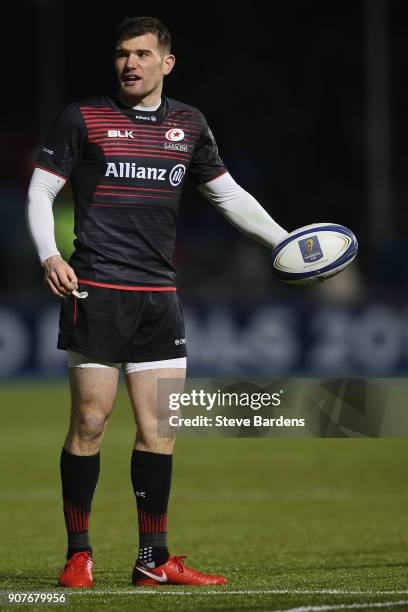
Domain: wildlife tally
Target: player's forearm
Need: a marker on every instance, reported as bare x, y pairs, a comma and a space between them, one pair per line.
243, 211
248, 216
42, 191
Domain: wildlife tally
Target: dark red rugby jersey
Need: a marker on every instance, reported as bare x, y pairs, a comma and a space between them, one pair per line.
127, 168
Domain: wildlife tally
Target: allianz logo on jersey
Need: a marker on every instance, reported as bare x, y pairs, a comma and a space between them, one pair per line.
149, 173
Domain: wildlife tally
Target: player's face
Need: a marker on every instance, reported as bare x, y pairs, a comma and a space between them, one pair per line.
141, 65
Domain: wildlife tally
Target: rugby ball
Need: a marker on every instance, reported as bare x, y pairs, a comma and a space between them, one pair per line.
314, 253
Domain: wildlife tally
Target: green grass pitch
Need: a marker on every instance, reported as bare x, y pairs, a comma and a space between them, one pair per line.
294, 524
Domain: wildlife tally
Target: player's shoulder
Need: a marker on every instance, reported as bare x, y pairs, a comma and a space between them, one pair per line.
77, 107
179, 108
97, 102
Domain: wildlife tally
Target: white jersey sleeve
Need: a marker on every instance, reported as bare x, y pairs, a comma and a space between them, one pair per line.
42, 191
242, 210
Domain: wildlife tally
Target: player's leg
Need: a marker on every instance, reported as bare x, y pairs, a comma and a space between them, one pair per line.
151, 477
151, 464
93, 392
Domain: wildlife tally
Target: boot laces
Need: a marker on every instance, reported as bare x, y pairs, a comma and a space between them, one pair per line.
81, 563
180, 563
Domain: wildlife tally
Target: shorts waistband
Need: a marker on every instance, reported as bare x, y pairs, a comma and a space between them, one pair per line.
125, 287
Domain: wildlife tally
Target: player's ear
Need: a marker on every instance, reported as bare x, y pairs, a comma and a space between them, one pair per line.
168, 63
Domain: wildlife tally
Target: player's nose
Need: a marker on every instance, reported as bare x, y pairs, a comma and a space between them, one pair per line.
132, 61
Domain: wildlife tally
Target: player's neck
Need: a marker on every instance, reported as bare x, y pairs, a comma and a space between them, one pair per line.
148, 103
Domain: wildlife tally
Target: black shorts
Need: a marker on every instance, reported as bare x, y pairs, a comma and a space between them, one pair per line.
123, 326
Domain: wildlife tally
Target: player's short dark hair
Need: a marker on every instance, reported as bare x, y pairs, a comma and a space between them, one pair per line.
137, 26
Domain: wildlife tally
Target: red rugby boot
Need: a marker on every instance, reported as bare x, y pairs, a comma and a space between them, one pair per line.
172, 572
77, 571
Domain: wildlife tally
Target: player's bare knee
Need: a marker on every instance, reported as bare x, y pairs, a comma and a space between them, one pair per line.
90, 426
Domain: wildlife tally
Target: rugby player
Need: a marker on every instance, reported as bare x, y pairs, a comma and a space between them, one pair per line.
126, 156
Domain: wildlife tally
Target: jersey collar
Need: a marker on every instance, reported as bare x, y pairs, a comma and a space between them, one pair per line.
142, 116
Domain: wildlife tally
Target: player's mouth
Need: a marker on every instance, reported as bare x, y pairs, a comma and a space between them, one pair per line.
130, 79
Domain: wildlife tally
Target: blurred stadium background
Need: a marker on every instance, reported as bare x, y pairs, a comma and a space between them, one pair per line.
307, 105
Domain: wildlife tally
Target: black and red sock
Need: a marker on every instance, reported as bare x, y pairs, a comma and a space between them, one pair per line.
79, 476
151, 479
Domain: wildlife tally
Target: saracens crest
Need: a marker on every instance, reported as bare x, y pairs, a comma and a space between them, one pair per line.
175, 134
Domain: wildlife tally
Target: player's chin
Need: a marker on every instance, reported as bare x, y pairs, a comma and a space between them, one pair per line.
132, 88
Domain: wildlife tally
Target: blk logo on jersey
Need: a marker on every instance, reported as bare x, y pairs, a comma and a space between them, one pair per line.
120, 134
175, 134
